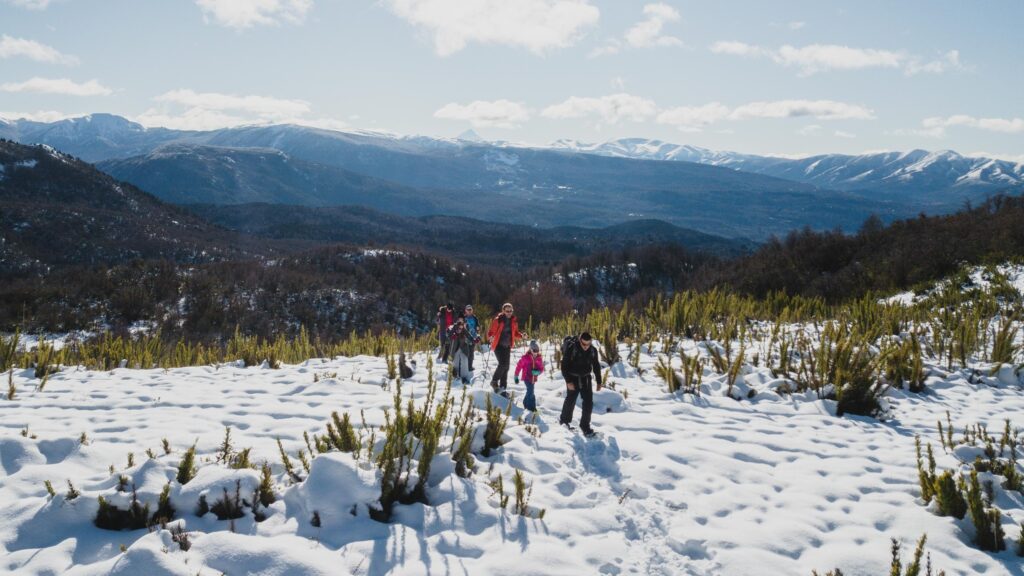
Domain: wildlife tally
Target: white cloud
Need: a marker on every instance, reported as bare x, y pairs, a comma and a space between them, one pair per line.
822, 57
610, 109
1015, 158
647, 33
843, 134
190, 110
482, 113
192, 119
30, 4
694, 117
537, 25
816, 58
796, 25
809, 130
948, 61
57, 86
248, 13
737, 49
690, 118
39, 116
263, 107
11, 47
820, 109
936, 126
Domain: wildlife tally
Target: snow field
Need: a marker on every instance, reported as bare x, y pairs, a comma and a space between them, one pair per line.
674, 484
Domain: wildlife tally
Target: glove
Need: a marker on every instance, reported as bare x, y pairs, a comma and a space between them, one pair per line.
516, 379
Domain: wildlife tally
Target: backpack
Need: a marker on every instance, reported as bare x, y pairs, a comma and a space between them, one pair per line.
570, 349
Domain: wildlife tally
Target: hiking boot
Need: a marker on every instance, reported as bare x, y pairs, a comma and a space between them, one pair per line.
589, 433
568, 426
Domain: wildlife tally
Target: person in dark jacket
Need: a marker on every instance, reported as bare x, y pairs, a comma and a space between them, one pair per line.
445, 319
461, 350
473, 326
503, 335
580, 368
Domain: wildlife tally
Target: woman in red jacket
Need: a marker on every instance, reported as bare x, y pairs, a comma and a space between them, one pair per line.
503, 335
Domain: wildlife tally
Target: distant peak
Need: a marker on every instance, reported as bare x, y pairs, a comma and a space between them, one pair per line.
469, 136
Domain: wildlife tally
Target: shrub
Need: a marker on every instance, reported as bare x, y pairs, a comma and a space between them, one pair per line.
164, 509
496, 422
988, 530
110, 517
947, 494
229, 507
664, 370
522, 493
187, 466
265, 491
180, 537
343, 435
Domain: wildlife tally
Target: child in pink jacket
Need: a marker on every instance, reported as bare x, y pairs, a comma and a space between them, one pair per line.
531, 366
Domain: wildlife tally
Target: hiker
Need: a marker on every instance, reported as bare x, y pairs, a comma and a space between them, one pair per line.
531, 366
445, 319
461, 344
473, 326
579, 363
502, 335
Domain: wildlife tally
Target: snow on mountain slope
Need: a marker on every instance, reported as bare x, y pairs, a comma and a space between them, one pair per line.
918, 169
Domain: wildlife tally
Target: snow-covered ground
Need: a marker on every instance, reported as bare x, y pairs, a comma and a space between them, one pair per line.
674, 484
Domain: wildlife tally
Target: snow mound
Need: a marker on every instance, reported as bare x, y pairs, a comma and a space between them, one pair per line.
337, 489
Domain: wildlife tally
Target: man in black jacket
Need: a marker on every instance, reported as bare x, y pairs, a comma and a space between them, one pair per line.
579, 363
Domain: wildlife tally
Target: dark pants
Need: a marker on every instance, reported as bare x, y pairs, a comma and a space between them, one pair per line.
445, 347
504, 356
583, 387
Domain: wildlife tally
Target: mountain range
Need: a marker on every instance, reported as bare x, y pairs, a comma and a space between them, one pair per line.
568, 183
933, 178
57, 211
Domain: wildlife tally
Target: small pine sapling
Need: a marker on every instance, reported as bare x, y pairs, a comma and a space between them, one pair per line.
229, 507
947, 495
225, 451
925, 478
664, 370
164, 510
265, 491
11, 388
240, 460
187, 466
988, 530
496, 422
287, 462
131, 460
72, 492
167, 446
1020, 541
49, 488
522, 493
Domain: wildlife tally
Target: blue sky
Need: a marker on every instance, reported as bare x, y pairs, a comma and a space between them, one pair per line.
795, 77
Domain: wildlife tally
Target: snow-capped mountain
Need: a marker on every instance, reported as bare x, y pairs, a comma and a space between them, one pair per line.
917, 173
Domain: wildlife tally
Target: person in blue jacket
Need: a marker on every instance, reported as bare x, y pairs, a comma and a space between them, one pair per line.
473, 327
